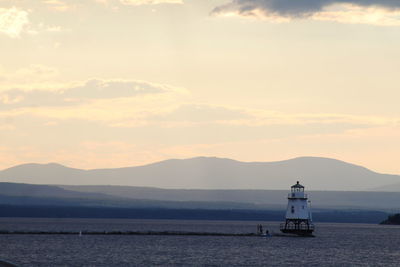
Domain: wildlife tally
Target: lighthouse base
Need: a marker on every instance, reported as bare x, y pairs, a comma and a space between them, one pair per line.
297, 227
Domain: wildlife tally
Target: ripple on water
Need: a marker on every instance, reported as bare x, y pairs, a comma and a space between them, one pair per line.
334, 244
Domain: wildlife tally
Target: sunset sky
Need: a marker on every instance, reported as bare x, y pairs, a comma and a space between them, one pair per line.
113, 83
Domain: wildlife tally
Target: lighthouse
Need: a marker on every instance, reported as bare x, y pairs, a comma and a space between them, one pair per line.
298, 214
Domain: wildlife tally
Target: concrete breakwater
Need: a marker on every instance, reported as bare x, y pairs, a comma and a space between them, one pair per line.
165, 233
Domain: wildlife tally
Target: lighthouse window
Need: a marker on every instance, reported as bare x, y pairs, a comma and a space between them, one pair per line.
292, 209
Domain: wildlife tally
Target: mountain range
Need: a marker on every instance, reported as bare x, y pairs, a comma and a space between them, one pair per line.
213, 173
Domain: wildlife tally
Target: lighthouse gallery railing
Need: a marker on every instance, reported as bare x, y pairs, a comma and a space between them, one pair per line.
291, 195
301, 226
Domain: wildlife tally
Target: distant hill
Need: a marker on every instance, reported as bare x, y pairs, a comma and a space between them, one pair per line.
146, 197
45, 195
24, 200
32, 190
276, 199
388, 188
29, 194
212, 173
393, 219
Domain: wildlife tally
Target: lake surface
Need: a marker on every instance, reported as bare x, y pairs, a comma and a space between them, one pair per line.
334, 244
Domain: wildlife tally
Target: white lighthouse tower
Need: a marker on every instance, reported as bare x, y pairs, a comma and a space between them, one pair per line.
298, 213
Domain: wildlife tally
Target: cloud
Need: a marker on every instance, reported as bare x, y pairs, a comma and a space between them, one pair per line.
58, 5
377, 12
32, 77
193, 115
149, 2
130, 104
267, 117
119, 103
32, 73
200, 113
13, 21
80, 93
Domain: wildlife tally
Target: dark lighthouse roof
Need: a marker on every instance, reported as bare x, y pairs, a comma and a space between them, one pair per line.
297, 185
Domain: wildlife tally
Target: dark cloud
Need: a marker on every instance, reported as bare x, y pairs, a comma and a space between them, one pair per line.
296, 8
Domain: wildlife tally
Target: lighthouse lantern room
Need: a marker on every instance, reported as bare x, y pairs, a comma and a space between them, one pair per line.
298, 214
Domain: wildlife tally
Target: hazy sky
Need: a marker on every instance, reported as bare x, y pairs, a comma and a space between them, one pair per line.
111, 83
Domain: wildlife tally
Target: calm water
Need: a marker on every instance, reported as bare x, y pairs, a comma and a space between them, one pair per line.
334, 244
